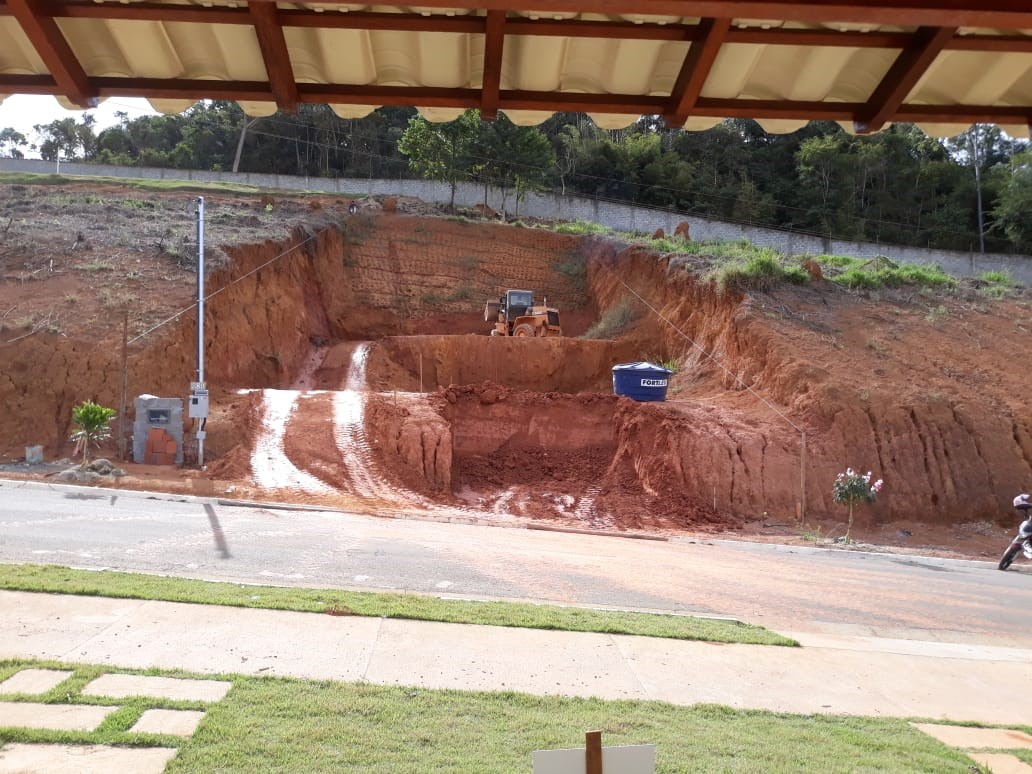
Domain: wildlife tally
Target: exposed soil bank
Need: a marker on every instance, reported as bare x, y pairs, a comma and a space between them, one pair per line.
924, 393
415, 363
921, 390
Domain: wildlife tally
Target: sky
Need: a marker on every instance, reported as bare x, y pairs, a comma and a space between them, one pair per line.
23, 111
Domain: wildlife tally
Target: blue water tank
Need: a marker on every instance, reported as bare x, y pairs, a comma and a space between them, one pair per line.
641, 381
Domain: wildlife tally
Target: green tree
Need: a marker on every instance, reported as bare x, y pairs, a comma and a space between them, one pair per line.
442, 151
719, 161
752, 205
209, 139
826, 172
94, 422
511, 156
605, 168
11, 141
143, 141
67, 140
982, 147
1015, 203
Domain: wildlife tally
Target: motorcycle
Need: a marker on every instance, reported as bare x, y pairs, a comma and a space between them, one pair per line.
1023, 540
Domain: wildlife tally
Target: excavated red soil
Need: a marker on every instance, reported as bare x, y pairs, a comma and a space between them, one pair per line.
438, 419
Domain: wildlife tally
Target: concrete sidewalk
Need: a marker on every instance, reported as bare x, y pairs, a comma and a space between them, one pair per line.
838, 675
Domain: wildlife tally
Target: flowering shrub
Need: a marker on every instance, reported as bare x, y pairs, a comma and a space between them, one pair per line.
851, 488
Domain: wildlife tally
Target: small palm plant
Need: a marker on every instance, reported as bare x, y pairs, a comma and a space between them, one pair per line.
93, 421
851, 488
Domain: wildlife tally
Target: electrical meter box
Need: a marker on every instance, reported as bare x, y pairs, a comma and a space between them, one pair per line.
198, 406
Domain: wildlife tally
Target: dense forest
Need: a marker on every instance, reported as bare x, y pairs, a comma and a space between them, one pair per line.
970, 192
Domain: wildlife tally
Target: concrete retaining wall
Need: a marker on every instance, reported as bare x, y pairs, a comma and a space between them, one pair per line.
619, 216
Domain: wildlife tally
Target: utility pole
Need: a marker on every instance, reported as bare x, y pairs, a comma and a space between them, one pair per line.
198, 389
248, 123
125, 385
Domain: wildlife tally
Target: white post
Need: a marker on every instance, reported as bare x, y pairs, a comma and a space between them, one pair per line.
200, 290
198, 390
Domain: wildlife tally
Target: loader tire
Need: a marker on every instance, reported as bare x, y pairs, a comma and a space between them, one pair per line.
524, 330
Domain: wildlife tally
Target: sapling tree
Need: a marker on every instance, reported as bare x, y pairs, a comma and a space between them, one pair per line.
94, 423
851, 488
441, 151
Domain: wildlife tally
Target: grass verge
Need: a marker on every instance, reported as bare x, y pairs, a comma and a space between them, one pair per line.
616, 320
143, 184
880, 272
763, 271
582, 228
286, 725
64, 580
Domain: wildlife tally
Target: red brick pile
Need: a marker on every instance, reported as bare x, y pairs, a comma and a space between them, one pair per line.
161, 448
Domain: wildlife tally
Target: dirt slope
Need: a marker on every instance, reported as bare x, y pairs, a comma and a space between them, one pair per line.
434, 419
923, 390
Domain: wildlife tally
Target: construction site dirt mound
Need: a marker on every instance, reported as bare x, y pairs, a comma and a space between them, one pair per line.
350, 365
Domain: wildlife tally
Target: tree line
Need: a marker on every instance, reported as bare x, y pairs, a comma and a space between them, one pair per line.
970, 192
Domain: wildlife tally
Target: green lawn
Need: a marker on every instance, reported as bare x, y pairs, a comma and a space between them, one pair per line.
143, 184
286, 725
63, 580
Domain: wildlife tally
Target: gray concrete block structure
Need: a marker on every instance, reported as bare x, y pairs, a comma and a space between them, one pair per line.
154, 413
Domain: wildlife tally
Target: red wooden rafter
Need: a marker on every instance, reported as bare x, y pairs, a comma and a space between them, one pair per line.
695, 69
273, 45
44, 34
936, 21
573, 28
494, 39
901, 78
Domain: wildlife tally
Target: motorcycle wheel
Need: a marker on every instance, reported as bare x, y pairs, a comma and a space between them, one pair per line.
1008, 556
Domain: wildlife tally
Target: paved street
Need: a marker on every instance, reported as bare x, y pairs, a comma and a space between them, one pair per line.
799, 590
882, 634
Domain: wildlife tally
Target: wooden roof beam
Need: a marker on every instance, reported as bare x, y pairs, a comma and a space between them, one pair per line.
29, 84
494, 41
899, 81
628, 104
1000, 14
44, 34
514, 25
965, 114
273, 45
1003, 14
695, 70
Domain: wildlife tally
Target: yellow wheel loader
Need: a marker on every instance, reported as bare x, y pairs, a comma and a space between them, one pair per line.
515, 314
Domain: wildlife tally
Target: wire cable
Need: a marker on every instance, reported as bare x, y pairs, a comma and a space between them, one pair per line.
228, 285
708, 355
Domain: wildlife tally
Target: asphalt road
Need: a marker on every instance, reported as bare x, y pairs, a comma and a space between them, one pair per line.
788, 588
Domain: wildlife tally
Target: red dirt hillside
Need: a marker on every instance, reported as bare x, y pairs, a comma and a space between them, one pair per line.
370, 383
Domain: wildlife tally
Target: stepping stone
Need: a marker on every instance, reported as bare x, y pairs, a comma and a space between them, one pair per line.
162, 721
82, 759
59, 717
1001, 763
973, 738
34, 680
120, 686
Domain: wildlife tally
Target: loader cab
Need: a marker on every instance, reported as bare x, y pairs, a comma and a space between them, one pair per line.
516, 303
